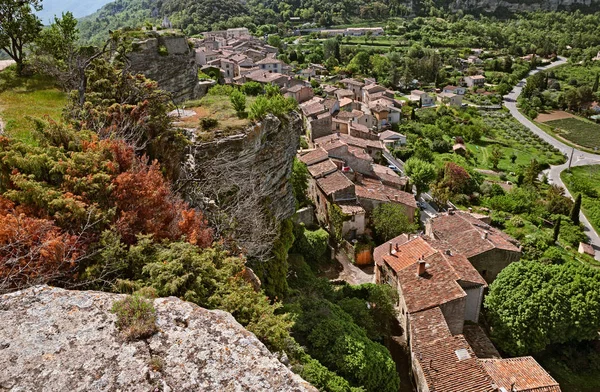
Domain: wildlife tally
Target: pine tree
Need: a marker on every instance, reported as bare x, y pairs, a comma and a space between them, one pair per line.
557, 228
575, 210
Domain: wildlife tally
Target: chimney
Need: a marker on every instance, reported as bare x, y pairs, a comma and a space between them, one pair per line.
391, 247
396, 197
397, 247
513, 381
421, 267
484, 235
448, 252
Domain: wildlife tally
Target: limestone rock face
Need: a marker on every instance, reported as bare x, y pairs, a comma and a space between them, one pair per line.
513, 6
245, 176
58, 340
170, 62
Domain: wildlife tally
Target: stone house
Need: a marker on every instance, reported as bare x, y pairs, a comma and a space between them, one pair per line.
455, 90
450, 99
237, 32
371, 193
392, 139
586, 249
475, 80
344, 93
333, 188
355, 86
423, 97
487, 248
300, 93
371, 89
355, 223
270, 65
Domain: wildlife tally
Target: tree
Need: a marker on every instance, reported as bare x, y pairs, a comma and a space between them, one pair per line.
390, 220
574, 215
331, 48
238, 101
513, 157
18, 27
556, 231
299, 181
421, 173
532, 305
56, 52
495, 155
596, 82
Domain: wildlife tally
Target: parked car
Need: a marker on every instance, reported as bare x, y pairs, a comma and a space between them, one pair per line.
394, 168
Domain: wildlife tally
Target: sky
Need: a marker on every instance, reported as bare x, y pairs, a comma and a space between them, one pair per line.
79, 8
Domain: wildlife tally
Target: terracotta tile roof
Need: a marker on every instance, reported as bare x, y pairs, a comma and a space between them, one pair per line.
479, 341
345, 101
329, 103
437, 353
314, 156
525, 372
375, 190
466, 234
329, 89
269, 60
334, 182
450, 88
436, 287
313, 109
390, 135
353, 82
359, 153
373, 88
344, 115
360, 128
351, 209
296, 88
344, 93
465, 270
322, 168
408, 254
332, 144
388, 176
384, 248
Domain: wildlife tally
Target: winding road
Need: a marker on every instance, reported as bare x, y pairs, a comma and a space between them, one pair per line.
579, 158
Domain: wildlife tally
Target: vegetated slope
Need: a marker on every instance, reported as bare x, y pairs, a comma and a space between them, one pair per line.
79, 8
194, 16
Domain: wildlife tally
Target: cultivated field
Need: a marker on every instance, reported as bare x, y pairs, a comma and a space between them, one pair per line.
583, 133
553, 115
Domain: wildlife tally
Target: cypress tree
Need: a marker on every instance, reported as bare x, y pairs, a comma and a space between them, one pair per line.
575, 210
595, 88
557, 228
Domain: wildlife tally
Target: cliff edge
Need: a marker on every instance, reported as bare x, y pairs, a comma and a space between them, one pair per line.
58, 340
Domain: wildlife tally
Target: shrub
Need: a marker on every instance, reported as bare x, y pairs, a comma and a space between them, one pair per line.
136, 317
252, 88
238, 101
208, 123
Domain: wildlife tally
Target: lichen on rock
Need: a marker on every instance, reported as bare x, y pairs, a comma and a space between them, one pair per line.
58, 340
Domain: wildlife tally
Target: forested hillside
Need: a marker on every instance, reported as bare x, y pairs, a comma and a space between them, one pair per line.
190, 15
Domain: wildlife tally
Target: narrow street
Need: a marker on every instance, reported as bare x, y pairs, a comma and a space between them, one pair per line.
351, 273
580, 158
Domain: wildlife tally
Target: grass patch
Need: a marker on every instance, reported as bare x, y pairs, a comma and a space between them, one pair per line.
586, 180
136, 317
23, 97
580, 132
219, 108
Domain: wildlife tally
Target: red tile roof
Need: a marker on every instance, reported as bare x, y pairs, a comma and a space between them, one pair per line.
437, 352
376, 190
322, 168
314, 156
466, 233
334, 182
408, 254
526, 374
384, 248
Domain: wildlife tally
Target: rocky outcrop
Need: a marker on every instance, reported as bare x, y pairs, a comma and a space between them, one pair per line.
242, 182
169, 61
513, 6
58, 340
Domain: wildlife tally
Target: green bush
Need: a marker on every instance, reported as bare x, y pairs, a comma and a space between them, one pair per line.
208, 123
136, 317
312, 245
252, 88
238, 101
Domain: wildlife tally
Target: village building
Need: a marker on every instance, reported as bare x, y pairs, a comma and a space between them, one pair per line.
355, 86
300, 93
487, 248
421, 96
438, 291
454, 90
586, 249
475, 80
391, 139
450, 99
270, 65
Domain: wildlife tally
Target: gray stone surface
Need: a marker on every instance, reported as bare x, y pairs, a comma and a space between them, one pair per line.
175, 72
57, 340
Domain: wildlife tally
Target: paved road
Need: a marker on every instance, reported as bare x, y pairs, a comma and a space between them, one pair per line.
580, 158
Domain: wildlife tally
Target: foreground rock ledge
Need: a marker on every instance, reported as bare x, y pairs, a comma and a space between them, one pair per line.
58, 340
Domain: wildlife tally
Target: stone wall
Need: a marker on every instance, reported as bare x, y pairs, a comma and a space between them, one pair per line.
242, 181
490, 263
57, 340
454, 313
169, 61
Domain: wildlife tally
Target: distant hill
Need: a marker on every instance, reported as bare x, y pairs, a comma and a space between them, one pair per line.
193, 16
79, 8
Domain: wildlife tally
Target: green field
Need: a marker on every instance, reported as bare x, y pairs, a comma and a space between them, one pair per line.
586, 180
580, 132
23, 97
